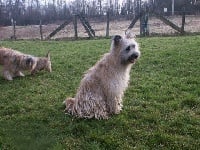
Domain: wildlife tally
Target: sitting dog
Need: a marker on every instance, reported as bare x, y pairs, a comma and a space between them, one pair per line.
14, 62
102, 88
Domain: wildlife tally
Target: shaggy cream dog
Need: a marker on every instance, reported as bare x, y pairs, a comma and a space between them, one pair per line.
102, 88
14, 62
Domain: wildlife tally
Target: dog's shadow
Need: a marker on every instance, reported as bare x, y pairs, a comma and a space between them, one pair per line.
27, 76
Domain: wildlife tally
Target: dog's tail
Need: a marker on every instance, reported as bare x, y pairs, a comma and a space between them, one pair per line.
48, 55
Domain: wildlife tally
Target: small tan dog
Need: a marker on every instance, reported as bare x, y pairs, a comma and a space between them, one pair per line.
102, 88
14, 62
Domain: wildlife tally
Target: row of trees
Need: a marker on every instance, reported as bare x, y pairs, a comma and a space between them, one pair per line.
32, 11
189, 6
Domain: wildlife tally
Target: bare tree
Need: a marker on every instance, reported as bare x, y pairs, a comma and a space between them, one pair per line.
31, 11
100, 7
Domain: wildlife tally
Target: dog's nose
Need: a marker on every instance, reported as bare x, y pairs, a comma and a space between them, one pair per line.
135, 56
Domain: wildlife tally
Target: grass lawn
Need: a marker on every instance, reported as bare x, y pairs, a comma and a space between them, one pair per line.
161, 106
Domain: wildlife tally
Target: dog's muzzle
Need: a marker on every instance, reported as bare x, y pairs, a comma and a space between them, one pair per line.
133, 57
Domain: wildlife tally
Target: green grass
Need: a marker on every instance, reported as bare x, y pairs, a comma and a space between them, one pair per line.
161, 106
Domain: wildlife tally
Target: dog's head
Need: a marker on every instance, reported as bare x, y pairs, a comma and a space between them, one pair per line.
126, 48
42, 63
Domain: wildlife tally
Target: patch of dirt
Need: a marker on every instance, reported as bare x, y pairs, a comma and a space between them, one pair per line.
116, 27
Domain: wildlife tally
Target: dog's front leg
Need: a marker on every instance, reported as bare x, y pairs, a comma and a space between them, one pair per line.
114, 105
118, 105
19, 74
7, 75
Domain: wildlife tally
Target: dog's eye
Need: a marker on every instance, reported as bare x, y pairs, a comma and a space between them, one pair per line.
128, 48
133, 46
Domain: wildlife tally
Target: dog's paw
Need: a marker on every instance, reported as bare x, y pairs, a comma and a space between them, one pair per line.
20, 74
9, 78
7, 75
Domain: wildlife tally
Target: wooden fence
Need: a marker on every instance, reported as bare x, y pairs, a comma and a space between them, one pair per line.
180, 28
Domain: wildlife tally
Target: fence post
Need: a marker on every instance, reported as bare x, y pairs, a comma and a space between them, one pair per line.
41, 35
108, 22
140, 17
75, 26
14, 29
183, 21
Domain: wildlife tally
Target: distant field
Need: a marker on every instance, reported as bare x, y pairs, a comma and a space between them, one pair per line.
156, 26
161, 106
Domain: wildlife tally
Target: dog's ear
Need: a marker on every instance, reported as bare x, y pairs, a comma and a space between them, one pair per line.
129, 34
29, 61
48, 55
117, 39
34, 64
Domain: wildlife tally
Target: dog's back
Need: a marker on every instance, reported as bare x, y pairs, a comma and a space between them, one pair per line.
7, 53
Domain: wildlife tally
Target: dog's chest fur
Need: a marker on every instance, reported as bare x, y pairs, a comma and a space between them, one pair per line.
115, 76
119, 81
